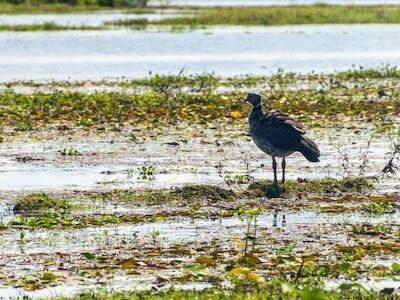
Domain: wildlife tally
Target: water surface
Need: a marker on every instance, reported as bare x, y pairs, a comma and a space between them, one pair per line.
226, 51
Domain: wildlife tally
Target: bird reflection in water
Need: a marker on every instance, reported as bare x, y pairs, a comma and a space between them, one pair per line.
275, 220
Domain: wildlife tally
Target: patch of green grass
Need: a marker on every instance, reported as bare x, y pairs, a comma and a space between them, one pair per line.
171, 103
43, 7
49, 26
283, 15
8, 8
41, 202
387, 71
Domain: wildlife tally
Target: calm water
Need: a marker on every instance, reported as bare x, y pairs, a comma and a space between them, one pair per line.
227, 51
267, 2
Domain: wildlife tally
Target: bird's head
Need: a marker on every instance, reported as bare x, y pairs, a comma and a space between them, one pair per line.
254, 99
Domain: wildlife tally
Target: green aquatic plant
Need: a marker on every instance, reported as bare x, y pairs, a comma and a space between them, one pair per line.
146, 173
68, 151
378, 207
287, 249
154, 235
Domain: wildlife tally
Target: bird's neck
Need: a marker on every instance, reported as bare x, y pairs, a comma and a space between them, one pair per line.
256, 113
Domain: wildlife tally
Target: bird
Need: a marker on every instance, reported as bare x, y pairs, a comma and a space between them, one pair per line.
278, 135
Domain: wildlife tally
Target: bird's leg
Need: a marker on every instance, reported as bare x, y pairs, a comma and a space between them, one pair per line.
283, 169
274, 166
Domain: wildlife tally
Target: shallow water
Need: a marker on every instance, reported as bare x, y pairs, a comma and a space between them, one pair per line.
40, 245
113, 162
96, 55
182, 230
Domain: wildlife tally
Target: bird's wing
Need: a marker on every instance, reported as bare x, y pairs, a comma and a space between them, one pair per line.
277, 118
282, 131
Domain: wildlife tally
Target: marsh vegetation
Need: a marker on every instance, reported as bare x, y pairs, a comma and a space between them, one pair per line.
192, 17
178, 199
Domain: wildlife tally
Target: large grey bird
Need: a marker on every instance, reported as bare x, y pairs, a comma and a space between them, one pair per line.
279, 135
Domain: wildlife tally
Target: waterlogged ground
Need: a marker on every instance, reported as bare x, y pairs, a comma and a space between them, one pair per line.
128, 243
188, 203
180, 155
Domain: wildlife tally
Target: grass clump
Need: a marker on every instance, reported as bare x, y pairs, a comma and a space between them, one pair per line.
185, 194
317, 186
41, 202
210, 193
214, 193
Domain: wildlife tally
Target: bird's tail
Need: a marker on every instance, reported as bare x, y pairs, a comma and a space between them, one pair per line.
309, 149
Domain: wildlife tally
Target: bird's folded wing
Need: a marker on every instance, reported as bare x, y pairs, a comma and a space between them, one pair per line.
279, 119
281, 131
